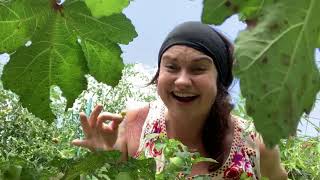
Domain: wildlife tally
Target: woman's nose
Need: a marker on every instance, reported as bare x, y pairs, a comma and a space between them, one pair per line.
183, 80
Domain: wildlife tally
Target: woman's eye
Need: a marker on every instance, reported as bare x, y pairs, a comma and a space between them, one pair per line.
199, 69
171, 67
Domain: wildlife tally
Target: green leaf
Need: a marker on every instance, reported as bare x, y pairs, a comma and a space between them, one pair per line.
117, 27
13, 172
115, 168
276, 66
133, 168
203, 159
55, 57
216, 11
124, 176
18, 23
106, 7
104, 61
16, 168
90, 162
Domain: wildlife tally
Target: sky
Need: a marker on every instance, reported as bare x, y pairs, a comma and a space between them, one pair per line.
154, 19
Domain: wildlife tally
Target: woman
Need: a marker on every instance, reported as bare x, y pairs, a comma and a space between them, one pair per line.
194, 74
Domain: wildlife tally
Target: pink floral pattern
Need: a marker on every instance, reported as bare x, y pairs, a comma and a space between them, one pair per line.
239, 165
243, 156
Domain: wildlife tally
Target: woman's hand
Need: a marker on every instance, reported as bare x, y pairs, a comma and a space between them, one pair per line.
99, 136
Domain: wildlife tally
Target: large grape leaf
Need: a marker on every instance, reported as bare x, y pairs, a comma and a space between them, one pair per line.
106, 7
67, 43
276, 66
216, 11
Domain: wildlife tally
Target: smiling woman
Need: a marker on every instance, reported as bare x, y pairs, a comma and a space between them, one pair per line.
193, 77
181, 67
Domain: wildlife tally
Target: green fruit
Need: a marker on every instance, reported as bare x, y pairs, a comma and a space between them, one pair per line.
55, 140
177, 161
123, 113
168, 151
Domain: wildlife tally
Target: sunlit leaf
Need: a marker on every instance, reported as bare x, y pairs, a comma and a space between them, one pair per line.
106, 7
19, 22
104, 61
116, 28
67, 43
54, 58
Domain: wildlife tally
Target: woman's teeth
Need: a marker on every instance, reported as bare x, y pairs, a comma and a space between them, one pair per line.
184, 97
183, 94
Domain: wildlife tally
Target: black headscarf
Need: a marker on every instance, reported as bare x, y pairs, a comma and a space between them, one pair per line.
203, 38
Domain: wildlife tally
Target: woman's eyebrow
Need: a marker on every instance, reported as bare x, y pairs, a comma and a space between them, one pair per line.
167, 57
203, 57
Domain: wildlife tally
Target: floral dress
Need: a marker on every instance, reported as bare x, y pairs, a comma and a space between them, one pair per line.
243, 156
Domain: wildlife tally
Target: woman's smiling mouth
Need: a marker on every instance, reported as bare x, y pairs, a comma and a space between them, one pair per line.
184, 97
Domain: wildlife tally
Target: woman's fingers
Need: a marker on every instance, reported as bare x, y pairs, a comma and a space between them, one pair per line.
83, 143
106, 129
93, 117
84, 124
115, 118
95, 130
77, 142
114, 125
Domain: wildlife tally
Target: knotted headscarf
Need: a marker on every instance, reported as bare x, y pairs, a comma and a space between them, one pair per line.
203, 38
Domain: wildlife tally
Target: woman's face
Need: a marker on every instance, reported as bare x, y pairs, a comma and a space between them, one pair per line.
187, 80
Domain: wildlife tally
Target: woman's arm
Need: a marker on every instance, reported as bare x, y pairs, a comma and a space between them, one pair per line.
130, 131
134, 123
270, 163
